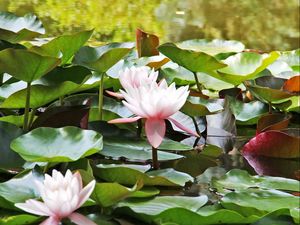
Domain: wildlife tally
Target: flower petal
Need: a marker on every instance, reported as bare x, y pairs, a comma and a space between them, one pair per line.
180, 126
80, 219
50, 221
115, 94
155, 131
35, 207
85, 193
125, 120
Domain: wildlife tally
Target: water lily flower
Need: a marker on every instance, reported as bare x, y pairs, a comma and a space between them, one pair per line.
156, 103
61, 195
135, 77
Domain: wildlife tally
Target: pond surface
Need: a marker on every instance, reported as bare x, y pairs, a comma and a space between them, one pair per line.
262, 24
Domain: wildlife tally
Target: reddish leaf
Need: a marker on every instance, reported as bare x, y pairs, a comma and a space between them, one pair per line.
274, 166
292, 84
146, 43
63, 116
233, 92
274, 143
272, 122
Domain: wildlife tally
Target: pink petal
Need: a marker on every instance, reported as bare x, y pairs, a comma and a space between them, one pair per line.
155, 131
80, 219
50, 221
86, 192
180, 126
77, 175
34, 207
115, 94
125, 120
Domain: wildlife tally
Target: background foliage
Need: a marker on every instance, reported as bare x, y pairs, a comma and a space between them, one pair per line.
261, 24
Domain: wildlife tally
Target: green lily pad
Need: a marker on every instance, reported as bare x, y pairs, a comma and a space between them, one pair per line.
125, 174
15, 29
9, 159
8, 89
247, 113
191, 60
102, 58
67, 45
108, 194
268, 89
195, 106
244, 66
259, 202
65, 144
212, 47
239, 180
20, 188
12, 218
31, 66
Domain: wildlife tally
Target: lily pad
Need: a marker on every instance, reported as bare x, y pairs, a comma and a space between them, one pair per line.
212, 47
196, 106
12, 218
15, 29
126, 175
239, 180
102, 58
244, 66
146, 43
273, 143
65, 144
65, 45
31, 66
274, 121
191, 60
9, 159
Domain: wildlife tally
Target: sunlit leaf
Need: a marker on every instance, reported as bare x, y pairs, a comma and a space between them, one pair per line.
57, 144
15, 29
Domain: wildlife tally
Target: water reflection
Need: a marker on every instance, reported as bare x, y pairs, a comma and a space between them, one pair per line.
261, 24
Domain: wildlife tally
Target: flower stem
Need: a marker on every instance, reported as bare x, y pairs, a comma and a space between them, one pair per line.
155, 165
32, 114
139, 129
27, 106
270, 108
196, 125
100, 102
197, 83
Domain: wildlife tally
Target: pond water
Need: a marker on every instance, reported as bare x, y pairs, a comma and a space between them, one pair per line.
262, 24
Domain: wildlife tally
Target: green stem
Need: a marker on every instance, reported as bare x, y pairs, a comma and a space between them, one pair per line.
197, 83
196, 125
27, 106
270, 108
100, 101
155, 164
139, 129
32, 114
61, 100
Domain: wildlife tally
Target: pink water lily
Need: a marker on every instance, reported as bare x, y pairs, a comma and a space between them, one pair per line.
135, 77
156, 103
61, 196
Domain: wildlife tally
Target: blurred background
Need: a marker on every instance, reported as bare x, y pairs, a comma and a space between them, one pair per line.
259, 24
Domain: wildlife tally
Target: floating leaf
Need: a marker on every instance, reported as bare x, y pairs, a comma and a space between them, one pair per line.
247, 113
268, 89
272, 122
15, 29
102, 58
155, 62
196, 106
239, 180
9, 159
244, 66
12, 218
20, 188
65, 144
67, 45
146, 43
31, 66
273, 143
191, 60
259, 202
212, 47
292, 84
124, 174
